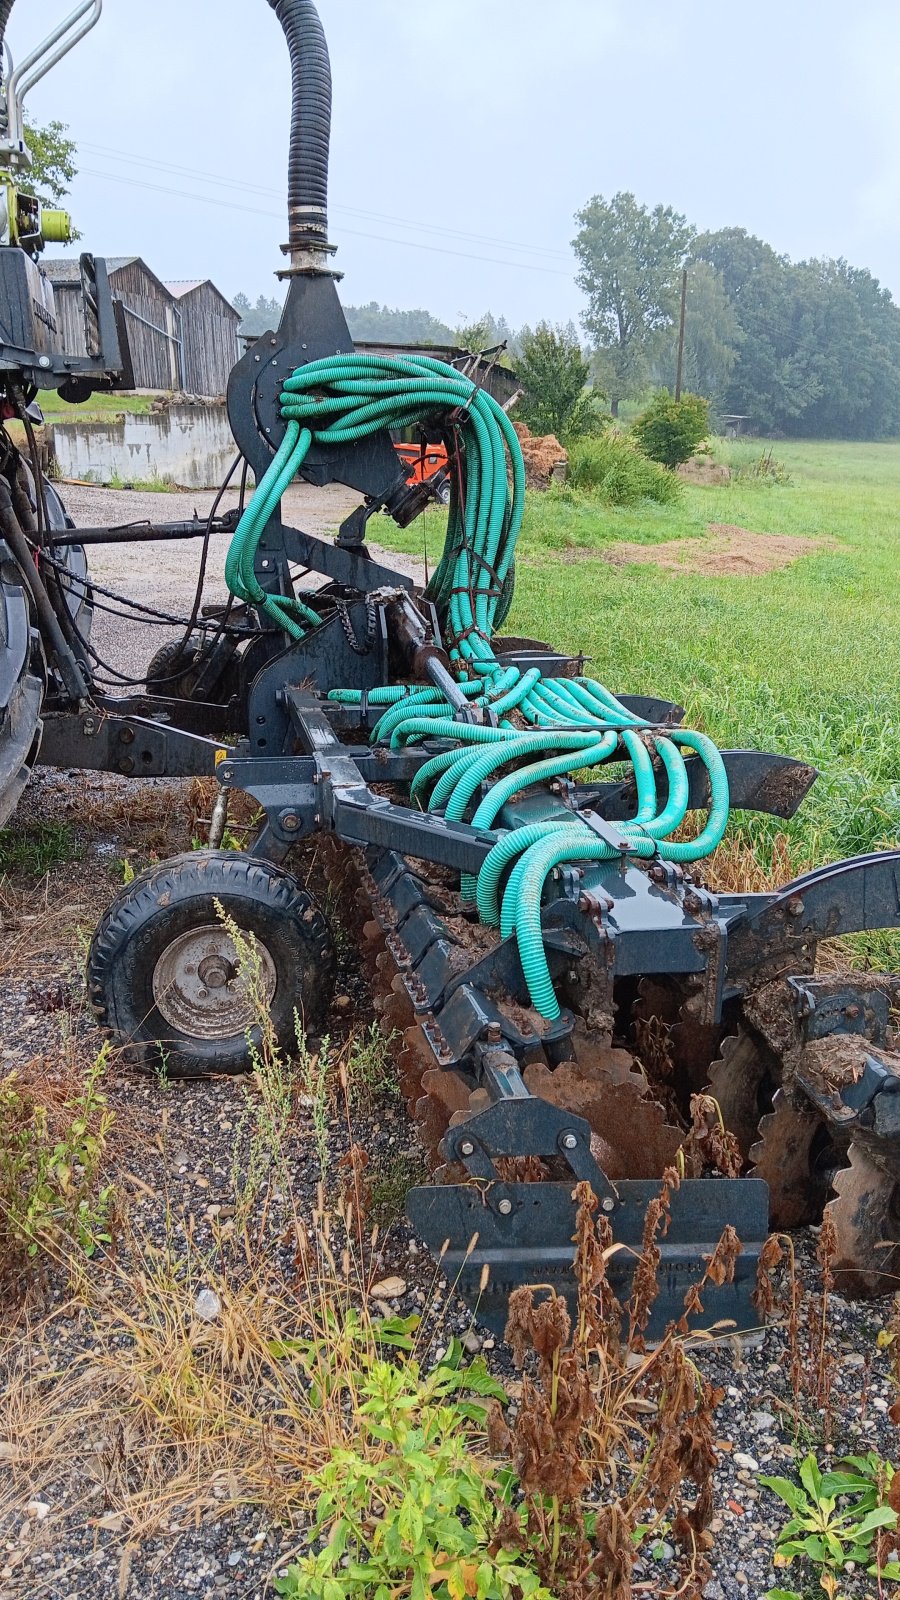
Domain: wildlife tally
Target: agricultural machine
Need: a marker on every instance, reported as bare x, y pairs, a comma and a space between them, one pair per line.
570, 1002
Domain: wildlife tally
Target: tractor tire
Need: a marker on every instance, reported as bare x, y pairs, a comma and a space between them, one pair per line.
172, 673
163, 972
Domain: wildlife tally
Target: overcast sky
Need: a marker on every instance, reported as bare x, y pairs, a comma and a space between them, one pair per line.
466, 136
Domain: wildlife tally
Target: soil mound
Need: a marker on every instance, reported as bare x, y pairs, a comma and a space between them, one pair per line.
726, 551
700, 469
546, 461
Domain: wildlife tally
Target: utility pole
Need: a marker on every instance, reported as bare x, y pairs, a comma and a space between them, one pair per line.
680, 372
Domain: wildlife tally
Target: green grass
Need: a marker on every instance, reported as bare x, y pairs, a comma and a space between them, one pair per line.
805, 661
32, 849
100, 407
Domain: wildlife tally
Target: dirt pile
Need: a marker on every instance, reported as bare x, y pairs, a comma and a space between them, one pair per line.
703, 470
725, 551
546, 461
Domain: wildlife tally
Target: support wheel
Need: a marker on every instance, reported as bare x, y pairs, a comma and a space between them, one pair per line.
163, 972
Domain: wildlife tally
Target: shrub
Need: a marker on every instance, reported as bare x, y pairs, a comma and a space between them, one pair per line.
615, 470
669, 431
554, 374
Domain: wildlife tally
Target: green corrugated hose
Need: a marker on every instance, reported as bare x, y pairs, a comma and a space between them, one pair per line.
572, 725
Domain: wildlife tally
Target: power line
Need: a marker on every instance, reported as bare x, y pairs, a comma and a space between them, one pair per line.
403, 244
129, 158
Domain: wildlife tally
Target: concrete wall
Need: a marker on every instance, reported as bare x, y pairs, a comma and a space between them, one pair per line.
190, 446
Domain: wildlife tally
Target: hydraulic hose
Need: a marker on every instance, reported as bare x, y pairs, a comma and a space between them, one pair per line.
310, 123
560, 726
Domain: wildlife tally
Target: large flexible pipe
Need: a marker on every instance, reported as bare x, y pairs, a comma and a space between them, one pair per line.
310, 125
5, 11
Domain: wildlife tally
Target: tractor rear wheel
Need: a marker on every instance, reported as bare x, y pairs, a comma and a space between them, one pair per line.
167, 978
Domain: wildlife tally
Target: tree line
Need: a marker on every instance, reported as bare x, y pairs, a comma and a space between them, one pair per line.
807, 348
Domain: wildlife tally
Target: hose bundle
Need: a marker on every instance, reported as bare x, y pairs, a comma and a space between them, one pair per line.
564, 726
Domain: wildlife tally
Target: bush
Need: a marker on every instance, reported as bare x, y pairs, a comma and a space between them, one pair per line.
612, 468
669, 431
554, 374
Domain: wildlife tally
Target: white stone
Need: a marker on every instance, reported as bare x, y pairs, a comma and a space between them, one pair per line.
745, 1462
762, 1421
38, 1509
207, 1306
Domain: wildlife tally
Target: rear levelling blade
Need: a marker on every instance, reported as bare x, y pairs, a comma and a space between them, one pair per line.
466, 1232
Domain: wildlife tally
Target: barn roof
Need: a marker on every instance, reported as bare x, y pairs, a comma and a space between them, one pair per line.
64, 270
184, 287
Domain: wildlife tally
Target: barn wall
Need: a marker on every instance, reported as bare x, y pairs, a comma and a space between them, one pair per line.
155, 355
210, 341
70, 317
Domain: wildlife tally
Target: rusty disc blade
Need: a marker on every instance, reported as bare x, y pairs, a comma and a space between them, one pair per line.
866, 1218
630, 1135
743, 1082
794, 1155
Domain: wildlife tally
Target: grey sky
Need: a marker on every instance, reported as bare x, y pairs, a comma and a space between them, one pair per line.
484, 125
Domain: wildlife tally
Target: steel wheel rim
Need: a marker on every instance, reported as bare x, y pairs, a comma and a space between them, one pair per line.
199, 990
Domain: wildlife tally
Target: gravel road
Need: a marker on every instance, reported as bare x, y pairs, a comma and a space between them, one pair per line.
163, 573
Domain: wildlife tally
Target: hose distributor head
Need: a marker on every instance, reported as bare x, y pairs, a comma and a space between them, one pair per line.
307, 245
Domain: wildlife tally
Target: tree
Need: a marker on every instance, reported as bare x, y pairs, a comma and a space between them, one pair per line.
484, 333
260, 318
820, 355
553, 372
54, 166
377, 324
631, 262
713, 338
670, 430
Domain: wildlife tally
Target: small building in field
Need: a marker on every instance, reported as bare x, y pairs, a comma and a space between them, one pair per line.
210, 332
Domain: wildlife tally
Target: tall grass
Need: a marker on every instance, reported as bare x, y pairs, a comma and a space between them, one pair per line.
613, 468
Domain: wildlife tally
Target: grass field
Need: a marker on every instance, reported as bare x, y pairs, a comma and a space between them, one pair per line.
100, 407
804, 661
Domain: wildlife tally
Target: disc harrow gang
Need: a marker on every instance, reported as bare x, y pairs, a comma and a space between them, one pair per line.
571, 1004
779, 1075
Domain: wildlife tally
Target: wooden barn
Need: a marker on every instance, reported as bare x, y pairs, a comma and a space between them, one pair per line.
151, 314
210, 332
182, 336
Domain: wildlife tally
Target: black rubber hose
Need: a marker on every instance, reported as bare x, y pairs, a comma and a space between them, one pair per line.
54, 639
310, 122
5, 10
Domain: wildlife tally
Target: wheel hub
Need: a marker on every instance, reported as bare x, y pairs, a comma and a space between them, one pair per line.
198, 988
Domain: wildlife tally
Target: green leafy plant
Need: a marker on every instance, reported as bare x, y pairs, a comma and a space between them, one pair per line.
554, 373
669, 431
371, 1072
50, 1195
836, 1517
612, 468
414, 1509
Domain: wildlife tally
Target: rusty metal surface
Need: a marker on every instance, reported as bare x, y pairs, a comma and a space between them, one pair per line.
866, 1223
792, 1155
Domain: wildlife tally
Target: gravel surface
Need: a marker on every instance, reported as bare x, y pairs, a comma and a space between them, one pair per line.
175, 1150
164, 573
